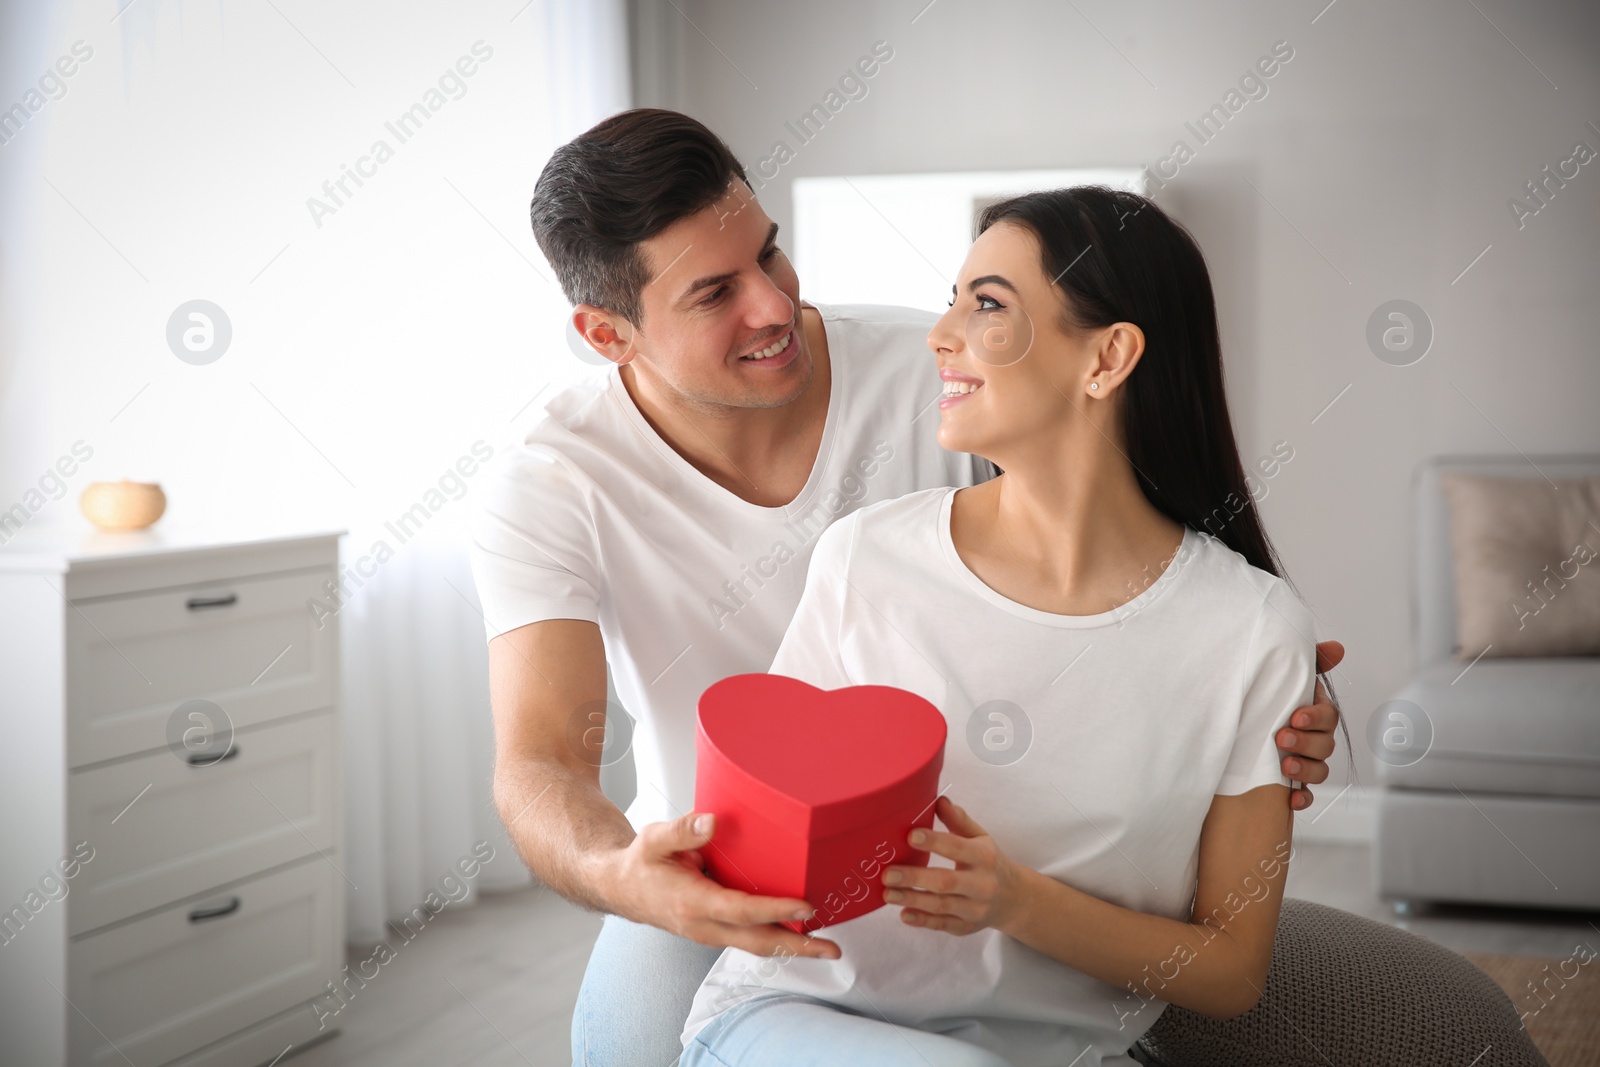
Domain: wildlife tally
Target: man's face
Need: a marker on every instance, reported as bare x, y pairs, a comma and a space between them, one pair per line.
721, 292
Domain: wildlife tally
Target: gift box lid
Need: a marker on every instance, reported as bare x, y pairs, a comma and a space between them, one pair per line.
816, 761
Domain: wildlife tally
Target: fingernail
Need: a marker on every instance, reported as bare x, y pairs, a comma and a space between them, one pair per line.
919, 837
1294, 766
702, 825
805, 913
1288, 738
892, 895
891, 878
1302, 721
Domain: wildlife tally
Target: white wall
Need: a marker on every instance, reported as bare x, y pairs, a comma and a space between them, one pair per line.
1388, 147
371, 346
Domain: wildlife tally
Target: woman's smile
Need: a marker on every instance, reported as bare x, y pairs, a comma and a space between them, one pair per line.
957, 387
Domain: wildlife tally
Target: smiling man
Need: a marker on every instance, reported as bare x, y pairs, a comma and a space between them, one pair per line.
659, 516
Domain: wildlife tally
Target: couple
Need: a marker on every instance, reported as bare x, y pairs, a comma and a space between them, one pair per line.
762, 484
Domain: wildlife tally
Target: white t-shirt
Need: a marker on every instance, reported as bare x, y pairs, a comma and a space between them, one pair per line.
1089, 746
593, 516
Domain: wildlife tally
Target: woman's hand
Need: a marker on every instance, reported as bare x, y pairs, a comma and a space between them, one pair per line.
983, 890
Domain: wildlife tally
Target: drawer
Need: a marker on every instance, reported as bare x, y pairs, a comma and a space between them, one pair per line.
167, 984
252, 647
163, 829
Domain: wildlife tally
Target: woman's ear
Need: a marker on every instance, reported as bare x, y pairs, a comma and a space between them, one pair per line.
1119, 347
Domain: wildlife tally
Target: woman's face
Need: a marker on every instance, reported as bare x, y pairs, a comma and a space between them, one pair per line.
1013, 378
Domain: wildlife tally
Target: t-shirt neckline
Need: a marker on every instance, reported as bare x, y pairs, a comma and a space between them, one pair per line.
1115, 616
686, 470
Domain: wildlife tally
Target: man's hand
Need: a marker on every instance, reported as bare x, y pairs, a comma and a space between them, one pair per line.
547, 687
1310, 741
660, 879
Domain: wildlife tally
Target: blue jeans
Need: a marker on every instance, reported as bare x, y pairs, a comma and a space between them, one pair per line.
640, 985
785, 1030
636, 995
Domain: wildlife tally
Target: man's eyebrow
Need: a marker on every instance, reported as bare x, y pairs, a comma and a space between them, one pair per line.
711, 281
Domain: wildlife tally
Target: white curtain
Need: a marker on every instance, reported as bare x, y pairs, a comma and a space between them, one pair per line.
418, 735
375, 346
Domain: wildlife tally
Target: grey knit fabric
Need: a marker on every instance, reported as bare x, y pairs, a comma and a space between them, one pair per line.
1344, 991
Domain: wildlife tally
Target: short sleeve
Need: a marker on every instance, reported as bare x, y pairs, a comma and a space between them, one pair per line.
1279, 677
533, 544
810, 647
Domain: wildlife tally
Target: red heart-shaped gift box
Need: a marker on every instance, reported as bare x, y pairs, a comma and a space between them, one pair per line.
815, 790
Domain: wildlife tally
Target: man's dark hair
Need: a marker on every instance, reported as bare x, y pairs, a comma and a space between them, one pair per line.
619, 183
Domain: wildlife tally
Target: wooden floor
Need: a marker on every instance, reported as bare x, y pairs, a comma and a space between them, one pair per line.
493, 985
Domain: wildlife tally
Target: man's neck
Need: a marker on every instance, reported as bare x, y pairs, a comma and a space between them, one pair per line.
762, 455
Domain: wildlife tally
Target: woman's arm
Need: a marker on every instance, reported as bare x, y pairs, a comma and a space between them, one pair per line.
1215, 964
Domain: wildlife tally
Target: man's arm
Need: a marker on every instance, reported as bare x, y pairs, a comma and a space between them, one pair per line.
547, 686
1310, 741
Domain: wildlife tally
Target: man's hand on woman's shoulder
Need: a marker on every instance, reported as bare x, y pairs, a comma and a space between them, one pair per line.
1308, 739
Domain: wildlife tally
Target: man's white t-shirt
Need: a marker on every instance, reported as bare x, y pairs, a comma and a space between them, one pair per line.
1090, 747
593, 516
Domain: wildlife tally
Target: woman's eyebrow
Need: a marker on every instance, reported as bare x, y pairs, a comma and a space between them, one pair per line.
991, 279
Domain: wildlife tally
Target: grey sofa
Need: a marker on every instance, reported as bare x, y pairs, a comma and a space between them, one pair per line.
1504, 807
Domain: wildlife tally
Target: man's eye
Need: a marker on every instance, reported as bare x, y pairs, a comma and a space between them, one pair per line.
716, 294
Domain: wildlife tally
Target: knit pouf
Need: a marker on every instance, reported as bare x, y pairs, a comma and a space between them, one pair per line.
1344, 991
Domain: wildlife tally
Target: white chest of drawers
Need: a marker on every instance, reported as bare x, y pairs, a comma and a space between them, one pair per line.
170, 888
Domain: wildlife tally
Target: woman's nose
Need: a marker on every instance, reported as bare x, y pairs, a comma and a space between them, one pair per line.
943, 337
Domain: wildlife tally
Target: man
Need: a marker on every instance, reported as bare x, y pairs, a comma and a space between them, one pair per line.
661, 516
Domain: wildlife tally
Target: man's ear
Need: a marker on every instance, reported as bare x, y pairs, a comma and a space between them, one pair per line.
1120, 347
608, 333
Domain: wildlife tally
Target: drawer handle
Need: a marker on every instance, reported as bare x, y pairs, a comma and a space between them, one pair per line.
200, 603
206, 759
200, 915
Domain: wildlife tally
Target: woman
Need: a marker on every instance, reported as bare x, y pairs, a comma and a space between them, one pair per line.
1106, 630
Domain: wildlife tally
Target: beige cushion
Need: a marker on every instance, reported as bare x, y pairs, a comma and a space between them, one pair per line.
1527, 565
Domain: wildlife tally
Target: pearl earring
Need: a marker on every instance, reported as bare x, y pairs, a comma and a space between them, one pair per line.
1094, 385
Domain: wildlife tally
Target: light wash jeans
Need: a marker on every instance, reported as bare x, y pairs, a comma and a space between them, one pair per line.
640, 985
636, 995
785, 1030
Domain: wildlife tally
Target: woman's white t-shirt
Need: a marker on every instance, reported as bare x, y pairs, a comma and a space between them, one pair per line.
1090, 747
593, 516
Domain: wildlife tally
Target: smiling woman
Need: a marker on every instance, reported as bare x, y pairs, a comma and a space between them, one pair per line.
1095, 381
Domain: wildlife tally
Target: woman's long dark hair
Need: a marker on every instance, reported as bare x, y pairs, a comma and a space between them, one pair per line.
1117, 257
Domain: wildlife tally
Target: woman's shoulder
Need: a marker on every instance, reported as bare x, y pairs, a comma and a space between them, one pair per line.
1229, 582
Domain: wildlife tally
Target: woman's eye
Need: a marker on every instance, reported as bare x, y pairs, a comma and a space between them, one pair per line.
769, 254
986, 303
